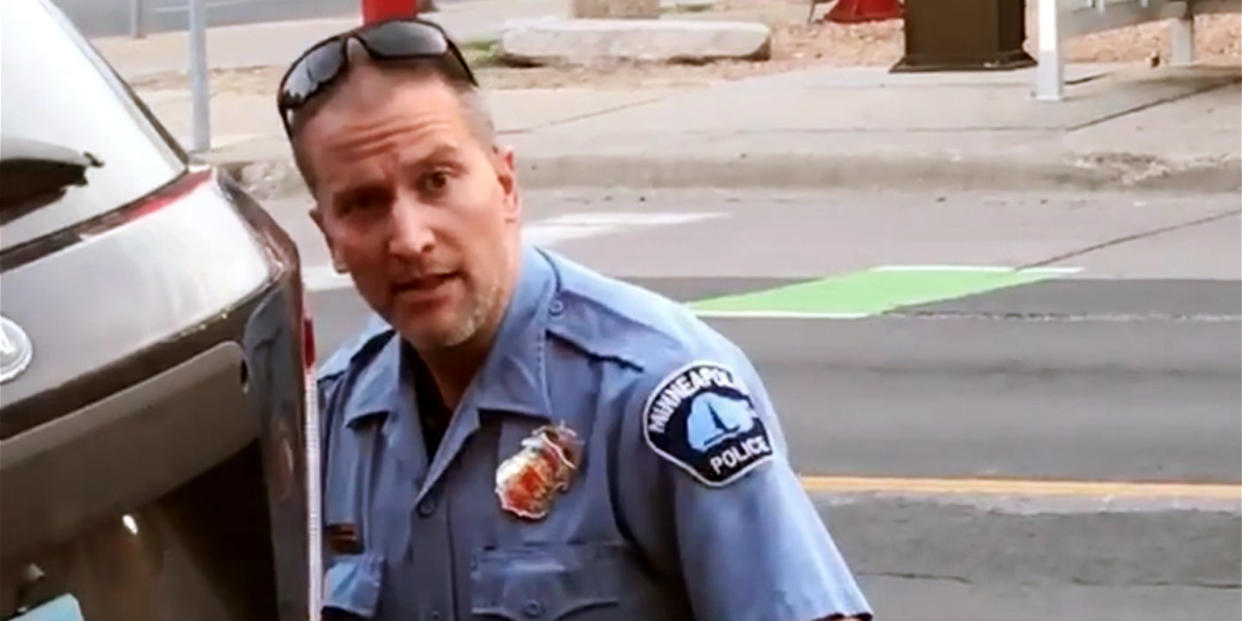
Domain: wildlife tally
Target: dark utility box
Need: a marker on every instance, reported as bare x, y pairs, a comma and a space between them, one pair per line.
964, 35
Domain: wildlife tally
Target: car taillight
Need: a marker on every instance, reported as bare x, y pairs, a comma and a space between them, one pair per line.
169, 195
174, 192
308, 341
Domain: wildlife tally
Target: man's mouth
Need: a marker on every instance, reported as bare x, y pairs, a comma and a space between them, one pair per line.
423, 285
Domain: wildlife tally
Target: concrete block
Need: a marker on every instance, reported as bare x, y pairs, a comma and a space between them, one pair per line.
555, 41
604, 9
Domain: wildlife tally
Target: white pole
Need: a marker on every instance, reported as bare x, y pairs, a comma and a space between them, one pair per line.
199, 89
1182, 39
1050, 74
135, 19
314, 502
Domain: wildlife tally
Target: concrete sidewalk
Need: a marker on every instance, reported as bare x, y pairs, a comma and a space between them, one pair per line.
1125, 127
1121, 127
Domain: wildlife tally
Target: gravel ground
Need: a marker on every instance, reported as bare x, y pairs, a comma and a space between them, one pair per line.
796, 44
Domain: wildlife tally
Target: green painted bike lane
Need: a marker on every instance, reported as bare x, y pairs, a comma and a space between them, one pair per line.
872, 292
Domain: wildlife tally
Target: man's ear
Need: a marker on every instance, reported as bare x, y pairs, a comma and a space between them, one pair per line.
506, 174
316, 214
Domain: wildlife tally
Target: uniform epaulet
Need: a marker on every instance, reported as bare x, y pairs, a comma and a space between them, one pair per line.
609, 318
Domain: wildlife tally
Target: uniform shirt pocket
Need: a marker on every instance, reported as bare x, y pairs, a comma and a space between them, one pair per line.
352, 584
547, 582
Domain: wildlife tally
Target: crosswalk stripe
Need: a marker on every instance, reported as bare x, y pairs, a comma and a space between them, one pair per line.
565, 227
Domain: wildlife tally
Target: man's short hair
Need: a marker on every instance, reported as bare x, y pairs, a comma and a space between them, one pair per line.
473, 103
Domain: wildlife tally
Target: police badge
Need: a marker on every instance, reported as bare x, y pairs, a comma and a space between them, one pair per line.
527, 482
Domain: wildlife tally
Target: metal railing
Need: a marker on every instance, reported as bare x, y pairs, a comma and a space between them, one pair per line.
1062, 19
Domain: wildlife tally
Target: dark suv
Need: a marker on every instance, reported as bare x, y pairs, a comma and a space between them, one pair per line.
156, 436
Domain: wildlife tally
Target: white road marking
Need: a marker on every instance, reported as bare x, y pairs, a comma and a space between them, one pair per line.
629, 218
550, 234
566, 227
723, 314
547, 233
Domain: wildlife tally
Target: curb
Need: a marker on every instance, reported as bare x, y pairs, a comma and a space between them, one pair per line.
1089, 172
1078, 172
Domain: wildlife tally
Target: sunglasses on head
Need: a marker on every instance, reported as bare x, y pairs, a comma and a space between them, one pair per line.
401, 39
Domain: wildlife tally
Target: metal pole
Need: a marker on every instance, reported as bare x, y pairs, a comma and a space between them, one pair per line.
135, 19
1050, 74
1182, 39
199, 89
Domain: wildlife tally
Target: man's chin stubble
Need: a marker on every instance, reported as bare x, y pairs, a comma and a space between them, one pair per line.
460, 334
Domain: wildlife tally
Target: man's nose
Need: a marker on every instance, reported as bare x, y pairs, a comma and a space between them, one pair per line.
412, 235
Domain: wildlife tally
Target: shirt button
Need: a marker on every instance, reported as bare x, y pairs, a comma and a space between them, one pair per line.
557, 307
533, 608
426, 507
433, 615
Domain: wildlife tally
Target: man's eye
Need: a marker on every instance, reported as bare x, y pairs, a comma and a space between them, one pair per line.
434, 182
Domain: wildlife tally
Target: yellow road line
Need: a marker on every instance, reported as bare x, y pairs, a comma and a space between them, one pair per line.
1013, 487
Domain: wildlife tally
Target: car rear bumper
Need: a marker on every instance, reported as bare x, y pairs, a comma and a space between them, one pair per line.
70, 473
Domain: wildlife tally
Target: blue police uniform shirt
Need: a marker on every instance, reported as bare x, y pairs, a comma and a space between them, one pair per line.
683, 504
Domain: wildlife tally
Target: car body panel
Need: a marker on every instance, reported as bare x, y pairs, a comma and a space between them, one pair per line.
135, 445
155, 445
123, 289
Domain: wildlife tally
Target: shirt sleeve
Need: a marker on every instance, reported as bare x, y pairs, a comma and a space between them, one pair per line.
718, 506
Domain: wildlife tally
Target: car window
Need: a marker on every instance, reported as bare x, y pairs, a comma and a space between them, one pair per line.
58, 91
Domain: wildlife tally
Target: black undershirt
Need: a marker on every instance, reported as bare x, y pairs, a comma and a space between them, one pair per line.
433, 414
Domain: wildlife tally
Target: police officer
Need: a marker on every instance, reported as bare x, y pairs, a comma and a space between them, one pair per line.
514, 436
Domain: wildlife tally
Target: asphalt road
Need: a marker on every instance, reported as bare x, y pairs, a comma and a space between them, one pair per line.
1130, 378
1124, 399
1126, 372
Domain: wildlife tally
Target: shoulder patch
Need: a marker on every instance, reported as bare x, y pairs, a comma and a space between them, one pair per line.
702, 419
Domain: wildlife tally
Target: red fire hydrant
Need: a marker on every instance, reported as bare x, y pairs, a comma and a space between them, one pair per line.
379, 10
855, 11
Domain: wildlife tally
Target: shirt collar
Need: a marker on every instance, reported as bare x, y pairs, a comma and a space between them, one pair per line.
512, 378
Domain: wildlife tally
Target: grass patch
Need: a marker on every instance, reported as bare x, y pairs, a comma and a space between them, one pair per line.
682, 10
479, 45
481, 53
